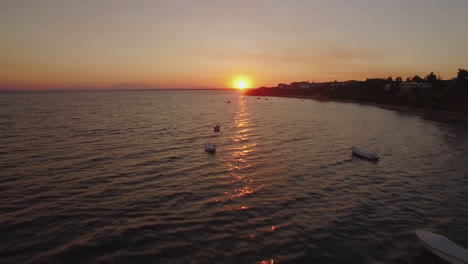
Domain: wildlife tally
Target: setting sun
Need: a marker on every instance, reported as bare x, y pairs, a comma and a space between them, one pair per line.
241, 85
241, 82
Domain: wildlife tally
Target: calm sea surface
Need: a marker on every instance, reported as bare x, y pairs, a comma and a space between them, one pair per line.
122, 177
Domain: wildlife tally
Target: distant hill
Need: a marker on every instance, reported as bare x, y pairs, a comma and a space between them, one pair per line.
132, 86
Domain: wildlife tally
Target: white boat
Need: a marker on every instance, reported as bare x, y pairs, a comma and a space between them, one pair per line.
210, 147
364, 153
443, 247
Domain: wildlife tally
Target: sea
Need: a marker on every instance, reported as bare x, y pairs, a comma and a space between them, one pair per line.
122, 177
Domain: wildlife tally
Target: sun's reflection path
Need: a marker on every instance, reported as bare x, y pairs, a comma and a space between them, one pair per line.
243, 183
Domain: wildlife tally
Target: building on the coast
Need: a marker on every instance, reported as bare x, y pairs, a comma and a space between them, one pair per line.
387, 87
352, 83
309, 85
314, 85
415, 86
300, 85
304, 85
336, 84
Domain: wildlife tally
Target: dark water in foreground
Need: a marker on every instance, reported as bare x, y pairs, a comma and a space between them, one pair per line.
121, 177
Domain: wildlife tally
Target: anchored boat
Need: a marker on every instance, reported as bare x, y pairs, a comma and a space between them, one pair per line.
210, 147
443, 247
365, 154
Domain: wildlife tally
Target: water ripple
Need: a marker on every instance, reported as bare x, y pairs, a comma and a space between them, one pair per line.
121, 177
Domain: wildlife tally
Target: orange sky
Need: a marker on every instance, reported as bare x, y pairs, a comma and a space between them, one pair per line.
54, 44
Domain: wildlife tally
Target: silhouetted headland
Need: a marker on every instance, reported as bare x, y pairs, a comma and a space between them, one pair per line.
428, 95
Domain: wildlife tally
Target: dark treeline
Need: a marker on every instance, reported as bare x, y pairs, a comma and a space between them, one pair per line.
429, 92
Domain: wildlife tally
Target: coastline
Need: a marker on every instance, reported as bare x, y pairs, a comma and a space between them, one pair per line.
447, 115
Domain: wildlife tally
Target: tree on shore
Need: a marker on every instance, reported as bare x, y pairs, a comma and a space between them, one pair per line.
461, 82
431, 78
462, 75
398, 79
416, 78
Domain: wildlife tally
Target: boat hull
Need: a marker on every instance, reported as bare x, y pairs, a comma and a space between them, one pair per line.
443, 247
365, 154
210, 148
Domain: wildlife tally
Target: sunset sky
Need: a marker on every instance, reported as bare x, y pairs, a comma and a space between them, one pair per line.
52, 44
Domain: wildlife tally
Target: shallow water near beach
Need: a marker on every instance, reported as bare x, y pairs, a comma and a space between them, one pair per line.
122, 177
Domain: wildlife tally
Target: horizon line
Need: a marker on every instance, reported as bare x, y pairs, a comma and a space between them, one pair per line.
111, 89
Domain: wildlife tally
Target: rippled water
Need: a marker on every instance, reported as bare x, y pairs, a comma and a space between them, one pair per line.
122, 177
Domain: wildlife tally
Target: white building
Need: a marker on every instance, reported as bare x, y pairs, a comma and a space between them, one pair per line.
411, 86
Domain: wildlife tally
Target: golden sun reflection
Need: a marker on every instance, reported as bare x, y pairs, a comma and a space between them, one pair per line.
243, 184
243, 192
236, 208
238, 168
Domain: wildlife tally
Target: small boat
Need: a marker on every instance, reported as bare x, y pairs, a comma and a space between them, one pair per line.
365, 154
216, 128
228, 102
210, 147
443, 247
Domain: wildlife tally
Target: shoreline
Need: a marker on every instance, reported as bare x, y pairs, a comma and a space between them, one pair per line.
447, 115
